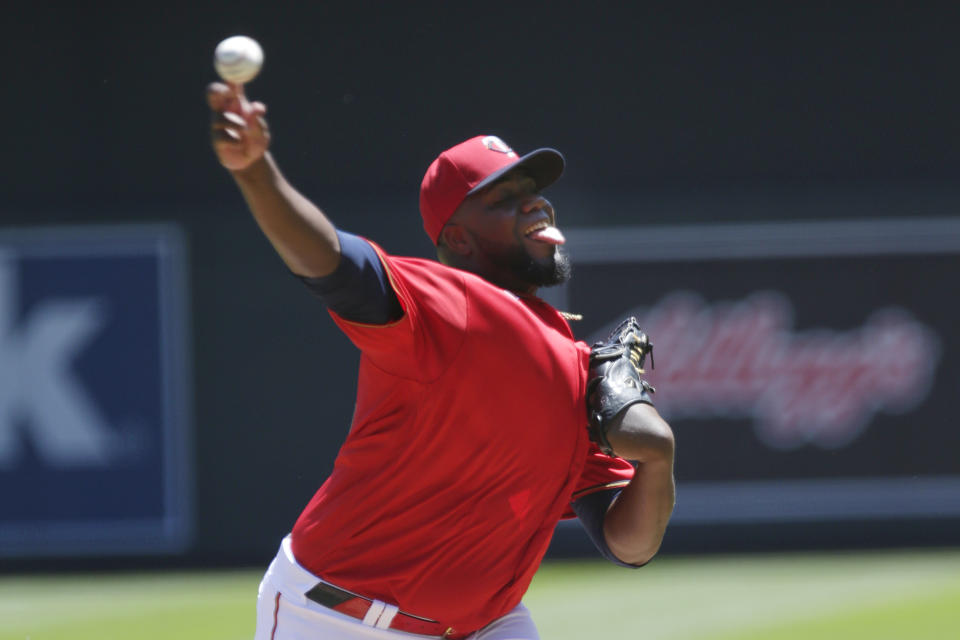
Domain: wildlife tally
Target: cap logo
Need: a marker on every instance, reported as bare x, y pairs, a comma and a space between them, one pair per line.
496, 144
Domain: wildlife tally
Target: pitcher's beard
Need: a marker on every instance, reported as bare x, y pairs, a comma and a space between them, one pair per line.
547, 273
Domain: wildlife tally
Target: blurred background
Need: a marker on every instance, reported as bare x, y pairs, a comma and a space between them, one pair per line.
770, 187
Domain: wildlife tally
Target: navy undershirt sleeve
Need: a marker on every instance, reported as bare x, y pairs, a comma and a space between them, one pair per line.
591, 510
359, 289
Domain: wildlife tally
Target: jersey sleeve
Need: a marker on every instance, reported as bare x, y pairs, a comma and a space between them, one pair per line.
600, 473
424, 340
358, 290
600, 483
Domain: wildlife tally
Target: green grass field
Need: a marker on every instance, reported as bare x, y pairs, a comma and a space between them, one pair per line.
870, 596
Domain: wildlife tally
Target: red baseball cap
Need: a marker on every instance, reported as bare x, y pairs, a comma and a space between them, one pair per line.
470, 166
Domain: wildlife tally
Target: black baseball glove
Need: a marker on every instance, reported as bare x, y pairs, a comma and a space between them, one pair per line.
614, 383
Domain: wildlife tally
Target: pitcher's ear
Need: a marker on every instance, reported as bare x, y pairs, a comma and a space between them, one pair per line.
454, 238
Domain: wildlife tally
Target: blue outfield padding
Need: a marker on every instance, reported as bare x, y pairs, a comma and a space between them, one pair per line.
94, 383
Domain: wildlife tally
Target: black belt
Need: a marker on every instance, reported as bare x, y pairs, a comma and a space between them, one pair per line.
356, 606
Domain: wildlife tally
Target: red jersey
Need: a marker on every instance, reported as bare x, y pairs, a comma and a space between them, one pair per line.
467, 445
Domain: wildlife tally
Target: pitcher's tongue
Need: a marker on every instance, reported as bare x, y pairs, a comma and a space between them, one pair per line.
549, 235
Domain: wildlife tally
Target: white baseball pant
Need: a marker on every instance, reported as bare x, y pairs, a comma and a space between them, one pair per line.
285, 613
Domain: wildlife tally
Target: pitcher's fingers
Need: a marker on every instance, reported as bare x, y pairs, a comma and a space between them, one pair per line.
225, 119
219, 96
223, 138
259, 108
245, 108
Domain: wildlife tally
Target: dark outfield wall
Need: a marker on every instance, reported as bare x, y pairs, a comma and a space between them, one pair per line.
680, 116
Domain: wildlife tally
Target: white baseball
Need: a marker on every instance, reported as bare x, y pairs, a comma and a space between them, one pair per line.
238, 59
